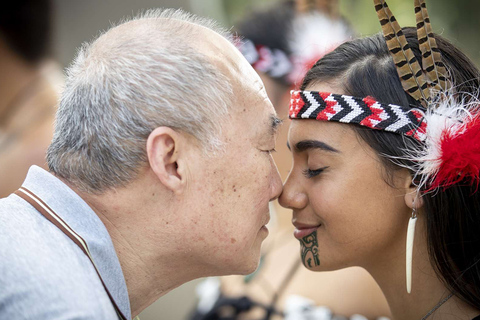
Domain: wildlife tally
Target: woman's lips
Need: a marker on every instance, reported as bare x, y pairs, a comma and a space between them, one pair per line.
301, 232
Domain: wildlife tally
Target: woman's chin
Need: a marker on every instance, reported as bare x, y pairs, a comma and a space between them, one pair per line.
315, 268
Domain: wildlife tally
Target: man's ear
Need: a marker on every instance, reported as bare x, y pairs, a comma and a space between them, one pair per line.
413, 198
163, 145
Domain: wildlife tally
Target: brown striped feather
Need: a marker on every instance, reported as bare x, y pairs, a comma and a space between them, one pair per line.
329, 7
431, 56
408, 68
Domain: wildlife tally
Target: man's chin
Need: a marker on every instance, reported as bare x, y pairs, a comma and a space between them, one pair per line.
251, 268
250, 264
250, 260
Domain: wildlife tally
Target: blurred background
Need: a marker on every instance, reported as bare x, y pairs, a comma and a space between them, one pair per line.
74, 22
79, 21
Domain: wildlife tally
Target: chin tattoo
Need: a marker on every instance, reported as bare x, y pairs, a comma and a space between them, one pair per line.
309, 250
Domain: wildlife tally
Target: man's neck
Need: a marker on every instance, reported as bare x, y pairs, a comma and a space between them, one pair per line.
144, 284
151, 267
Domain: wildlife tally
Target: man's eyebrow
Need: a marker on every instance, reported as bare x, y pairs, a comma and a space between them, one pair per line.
305, 145
275, 123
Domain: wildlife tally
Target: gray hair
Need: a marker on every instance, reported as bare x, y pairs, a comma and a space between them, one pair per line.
117, 92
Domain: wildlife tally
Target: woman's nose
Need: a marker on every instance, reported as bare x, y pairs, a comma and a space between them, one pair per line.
292, 196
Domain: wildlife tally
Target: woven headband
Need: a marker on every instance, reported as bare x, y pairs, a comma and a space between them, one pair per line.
362, 111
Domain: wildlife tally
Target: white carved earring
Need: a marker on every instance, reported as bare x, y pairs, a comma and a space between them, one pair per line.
410, 237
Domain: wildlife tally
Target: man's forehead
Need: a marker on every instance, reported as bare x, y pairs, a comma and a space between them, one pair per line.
229, 60
260, 87
249, 91
219, 51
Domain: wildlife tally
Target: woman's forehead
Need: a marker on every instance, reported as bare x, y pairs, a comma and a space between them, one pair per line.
309, 129
323, 86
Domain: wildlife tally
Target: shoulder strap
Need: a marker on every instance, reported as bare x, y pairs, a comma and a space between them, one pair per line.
54, 218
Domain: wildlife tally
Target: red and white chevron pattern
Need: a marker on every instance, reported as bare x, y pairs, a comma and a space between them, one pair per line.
362, 111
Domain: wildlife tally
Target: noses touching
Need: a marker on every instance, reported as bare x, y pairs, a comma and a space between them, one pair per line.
293, 197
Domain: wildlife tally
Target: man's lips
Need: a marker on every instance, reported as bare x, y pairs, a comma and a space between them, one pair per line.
266, 221
264, 228
303, 230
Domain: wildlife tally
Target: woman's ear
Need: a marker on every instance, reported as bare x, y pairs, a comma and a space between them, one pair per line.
163, 152
413, 199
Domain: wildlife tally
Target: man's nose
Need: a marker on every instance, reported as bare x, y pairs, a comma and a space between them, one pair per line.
276, 184
292, 196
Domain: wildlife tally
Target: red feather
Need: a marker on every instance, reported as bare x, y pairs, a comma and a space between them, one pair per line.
460, 155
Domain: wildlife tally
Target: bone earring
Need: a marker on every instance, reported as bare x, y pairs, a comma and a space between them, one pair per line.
410, 237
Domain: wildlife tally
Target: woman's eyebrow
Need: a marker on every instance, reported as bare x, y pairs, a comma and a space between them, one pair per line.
305, 145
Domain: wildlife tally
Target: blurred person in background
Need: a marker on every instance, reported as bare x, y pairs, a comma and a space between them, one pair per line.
29, 86
282, 43
146, 188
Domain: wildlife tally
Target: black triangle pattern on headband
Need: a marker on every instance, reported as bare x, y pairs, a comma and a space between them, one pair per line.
368, 112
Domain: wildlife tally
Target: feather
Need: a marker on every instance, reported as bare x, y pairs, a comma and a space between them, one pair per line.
328, 7
408, 68
451, 151
460, 155
431, 56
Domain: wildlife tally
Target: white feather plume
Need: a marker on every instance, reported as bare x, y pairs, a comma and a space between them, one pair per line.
448, 114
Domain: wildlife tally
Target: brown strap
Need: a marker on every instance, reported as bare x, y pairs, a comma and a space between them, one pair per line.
54, 218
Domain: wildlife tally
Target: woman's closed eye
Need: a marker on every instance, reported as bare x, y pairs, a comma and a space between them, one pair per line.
310, 173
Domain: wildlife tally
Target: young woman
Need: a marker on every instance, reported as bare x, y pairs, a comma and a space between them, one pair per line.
386, 156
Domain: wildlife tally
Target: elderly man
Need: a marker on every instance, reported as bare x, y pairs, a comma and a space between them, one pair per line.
160, 173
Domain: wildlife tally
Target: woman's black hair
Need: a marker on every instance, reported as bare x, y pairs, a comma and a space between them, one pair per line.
364, 67
25, 26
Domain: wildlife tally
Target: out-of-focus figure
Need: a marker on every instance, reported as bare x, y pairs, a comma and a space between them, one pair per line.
282, 43
29, 85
